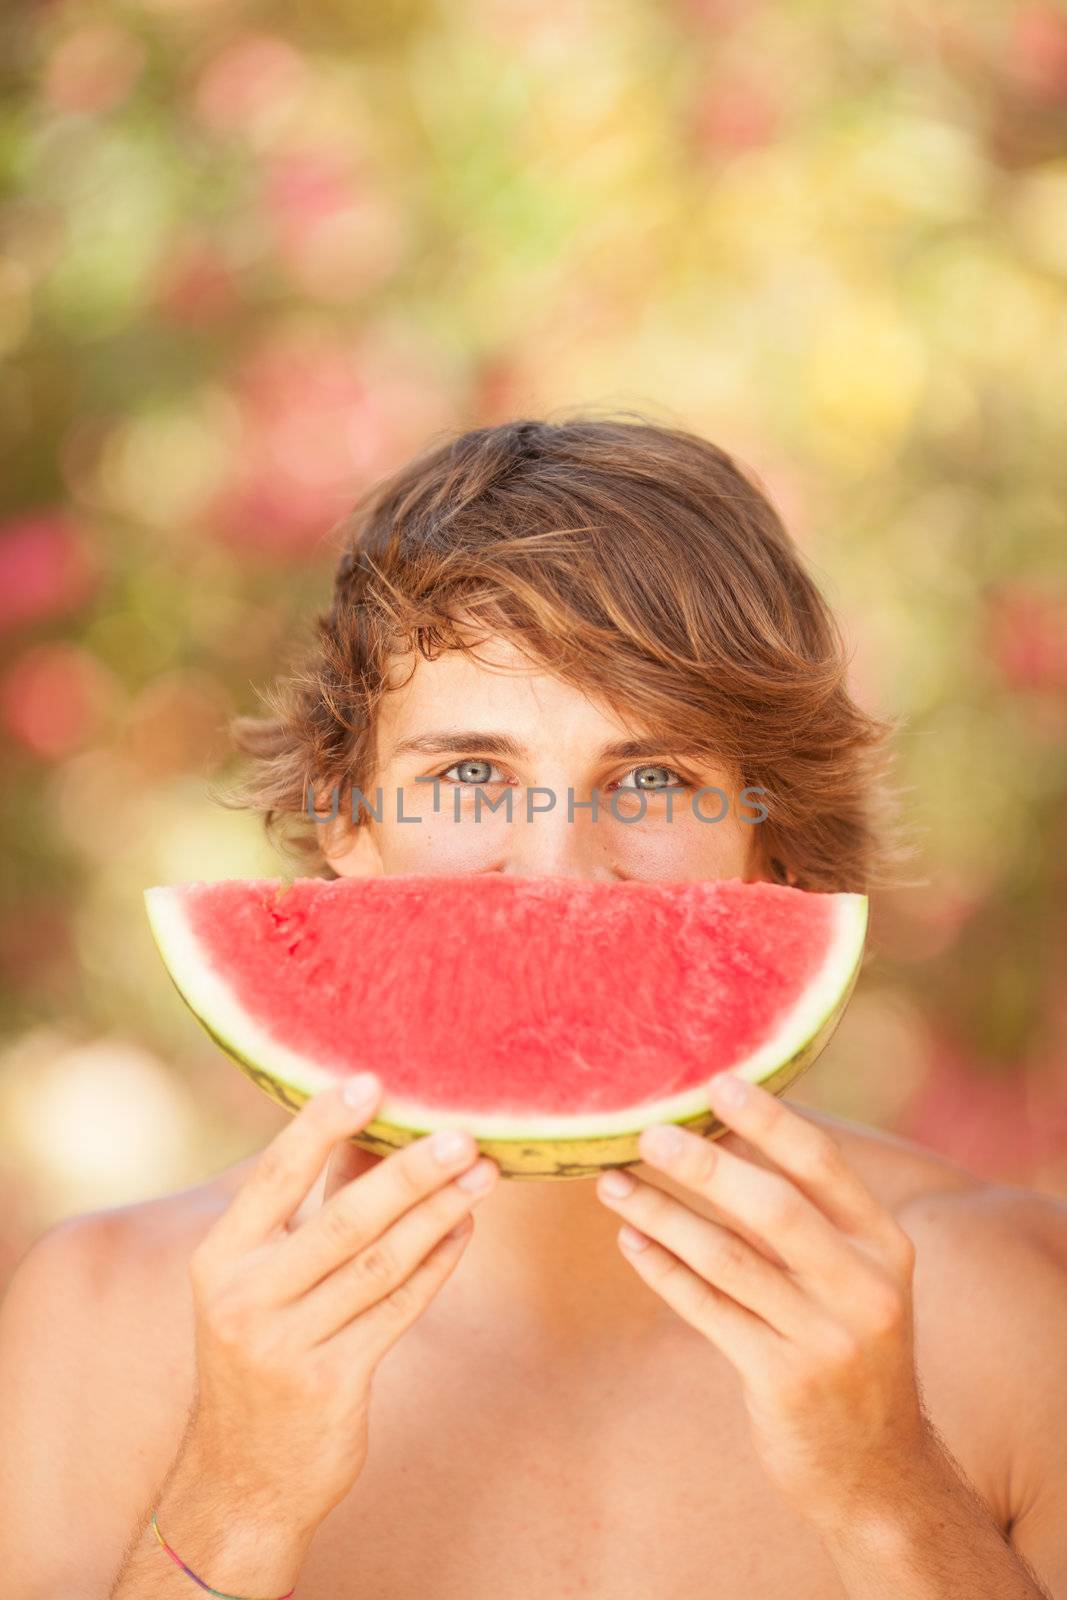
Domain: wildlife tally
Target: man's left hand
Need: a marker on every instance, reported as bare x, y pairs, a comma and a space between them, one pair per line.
805, 1286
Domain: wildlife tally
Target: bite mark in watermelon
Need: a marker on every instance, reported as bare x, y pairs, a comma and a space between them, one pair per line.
553, 1017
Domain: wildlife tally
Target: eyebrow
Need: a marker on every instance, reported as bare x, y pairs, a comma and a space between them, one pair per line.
501, 744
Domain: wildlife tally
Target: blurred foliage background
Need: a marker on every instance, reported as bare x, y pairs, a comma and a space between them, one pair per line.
252, 256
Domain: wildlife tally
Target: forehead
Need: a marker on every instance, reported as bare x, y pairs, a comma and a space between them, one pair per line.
503, 686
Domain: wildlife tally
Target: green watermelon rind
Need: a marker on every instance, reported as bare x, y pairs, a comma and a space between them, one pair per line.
543, 1146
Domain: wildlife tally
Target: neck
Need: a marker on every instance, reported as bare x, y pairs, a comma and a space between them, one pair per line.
544, 1261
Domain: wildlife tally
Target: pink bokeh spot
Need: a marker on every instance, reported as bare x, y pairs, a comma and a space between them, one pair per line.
1037, 51
1000, 1127
46, 567
53, 698
1026, 629
311, 434
252, 75
335, 232
195, 284
302, 187
93, 69
738, 116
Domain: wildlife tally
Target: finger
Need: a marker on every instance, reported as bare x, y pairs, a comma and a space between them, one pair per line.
377, 1271
771, 1208
361, 1211
347, 1161
716, 1254
809, 1155
291, 1163
744, 1339
371, 1333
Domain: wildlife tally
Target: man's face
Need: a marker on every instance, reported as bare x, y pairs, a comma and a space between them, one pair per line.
560, 743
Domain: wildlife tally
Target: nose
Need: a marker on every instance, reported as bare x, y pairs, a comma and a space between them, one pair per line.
550, 845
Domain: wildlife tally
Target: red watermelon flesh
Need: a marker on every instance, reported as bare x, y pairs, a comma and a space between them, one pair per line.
517, 1006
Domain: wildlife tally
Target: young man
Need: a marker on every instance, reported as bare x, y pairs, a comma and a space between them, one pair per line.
835, 1366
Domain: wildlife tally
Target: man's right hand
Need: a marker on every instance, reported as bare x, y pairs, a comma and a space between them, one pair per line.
291, 1321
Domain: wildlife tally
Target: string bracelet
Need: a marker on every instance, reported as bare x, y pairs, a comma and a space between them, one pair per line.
218, 1593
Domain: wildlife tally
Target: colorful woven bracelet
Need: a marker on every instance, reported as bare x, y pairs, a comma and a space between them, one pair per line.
218, 1593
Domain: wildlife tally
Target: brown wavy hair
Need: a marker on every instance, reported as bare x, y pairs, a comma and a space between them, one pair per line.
636, 561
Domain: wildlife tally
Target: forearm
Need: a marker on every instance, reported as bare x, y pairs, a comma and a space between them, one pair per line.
221, 1536
936, 1540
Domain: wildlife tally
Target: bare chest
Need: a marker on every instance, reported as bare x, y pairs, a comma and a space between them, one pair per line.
619, 1474
628, 1477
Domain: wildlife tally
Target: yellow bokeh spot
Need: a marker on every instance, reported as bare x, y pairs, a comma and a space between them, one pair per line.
864, 380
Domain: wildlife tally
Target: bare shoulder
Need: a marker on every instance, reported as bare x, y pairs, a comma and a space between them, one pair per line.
981, 1247
96, 1376
990, 1293
991, 1308
950, 1209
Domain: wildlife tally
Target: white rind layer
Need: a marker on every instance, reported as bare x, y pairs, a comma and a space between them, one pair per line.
215, 1003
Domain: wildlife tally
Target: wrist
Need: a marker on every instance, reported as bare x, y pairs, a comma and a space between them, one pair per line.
233, 1539
884, 1514
224, 1560
206, 1467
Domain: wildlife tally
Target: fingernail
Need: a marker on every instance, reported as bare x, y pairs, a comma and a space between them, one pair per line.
664, 1142
728, 1089
478, 1178
631, 1238
449, 1145
617, 1183
360, 1089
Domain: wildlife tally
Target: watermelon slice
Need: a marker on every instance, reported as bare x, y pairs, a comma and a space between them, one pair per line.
553, 1017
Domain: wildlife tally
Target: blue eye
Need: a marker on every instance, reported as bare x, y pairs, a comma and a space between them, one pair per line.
475, 771
644, 782
479, 778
